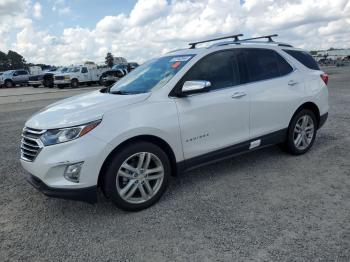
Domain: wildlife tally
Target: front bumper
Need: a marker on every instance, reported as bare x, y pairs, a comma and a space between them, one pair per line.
48, 168
61, 82
31, 82
88, 194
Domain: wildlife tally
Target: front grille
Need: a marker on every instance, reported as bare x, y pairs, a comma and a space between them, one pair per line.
59, 77
30, 143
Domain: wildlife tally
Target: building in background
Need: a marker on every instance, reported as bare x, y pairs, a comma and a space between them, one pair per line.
332, 54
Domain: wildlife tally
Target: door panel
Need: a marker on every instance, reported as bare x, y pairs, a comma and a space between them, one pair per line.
273, 103
219, 118
213, 120
276, 90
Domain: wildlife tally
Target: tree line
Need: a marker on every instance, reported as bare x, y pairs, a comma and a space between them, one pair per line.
13, 60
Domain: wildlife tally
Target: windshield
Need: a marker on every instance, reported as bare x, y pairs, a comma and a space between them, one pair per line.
73, 69
120, 66
151, 75
64, 69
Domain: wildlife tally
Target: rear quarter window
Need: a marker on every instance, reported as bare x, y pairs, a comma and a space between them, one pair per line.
303, 57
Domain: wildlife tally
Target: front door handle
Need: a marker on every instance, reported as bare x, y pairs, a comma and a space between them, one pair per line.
292, 83
238, 94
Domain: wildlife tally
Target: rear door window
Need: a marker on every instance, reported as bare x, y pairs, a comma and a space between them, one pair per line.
303, 57
261, 64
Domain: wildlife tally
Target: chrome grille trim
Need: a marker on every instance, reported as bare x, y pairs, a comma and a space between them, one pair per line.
31, 144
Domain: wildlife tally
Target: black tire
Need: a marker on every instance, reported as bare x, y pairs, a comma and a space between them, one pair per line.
289, 145
100, 81
74, 83
110, 176
9, 84
48, 83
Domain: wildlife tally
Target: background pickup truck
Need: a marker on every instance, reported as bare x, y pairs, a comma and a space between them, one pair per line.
77, 75
13, 77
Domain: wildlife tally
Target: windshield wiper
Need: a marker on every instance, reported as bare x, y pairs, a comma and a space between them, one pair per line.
119, 92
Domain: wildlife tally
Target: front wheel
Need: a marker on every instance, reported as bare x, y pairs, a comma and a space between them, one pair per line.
74, 83
9, 84
301, 132
137, 176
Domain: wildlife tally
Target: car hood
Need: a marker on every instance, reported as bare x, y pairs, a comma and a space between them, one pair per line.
81, 109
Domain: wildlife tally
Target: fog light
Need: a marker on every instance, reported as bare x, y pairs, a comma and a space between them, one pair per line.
72, 172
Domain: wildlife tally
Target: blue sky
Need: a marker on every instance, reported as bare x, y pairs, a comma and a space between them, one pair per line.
82, 13
64, 32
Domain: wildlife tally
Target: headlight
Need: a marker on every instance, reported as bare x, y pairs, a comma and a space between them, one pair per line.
56, 136
67, 77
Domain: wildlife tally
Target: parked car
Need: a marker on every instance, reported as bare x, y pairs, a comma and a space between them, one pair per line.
182, 110
76, 75
46, 78
118, 71
14, 77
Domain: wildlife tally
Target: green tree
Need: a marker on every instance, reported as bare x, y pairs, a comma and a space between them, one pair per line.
3, 61
15, 60
109, 59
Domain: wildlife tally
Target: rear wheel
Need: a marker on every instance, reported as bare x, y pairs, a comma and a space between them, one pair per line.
48, 83
301, 132
137, 176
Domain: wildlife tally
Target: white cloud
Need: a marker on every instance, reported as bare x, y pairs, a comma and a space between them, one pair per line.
61, 7
37, 10
146, 11
156, 26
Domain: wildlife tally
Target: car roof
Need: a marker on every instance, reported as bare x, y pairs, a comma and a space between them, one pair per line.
211, 49
231, 44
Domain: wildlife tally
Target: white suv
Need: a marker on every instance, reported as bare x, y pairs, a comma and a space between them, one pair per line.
179, 111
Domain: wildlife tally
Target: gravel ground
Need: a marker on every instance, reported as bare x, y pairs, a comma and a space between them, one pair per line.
262, 206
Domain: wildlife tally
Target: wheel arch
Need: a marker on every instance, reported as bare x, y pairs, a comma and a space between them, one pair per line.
145, 138
311, 106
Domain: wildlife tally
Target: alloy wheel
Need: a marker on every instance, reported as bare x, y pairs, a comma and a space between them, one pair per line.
140, 177
303, 132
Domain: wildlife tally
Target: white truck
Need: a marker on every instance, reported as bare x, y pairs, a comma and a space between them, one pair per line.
77, 75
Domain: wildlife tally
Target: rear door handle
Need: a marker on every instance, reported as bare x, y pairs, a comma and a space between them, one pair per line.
292, 83
238, 94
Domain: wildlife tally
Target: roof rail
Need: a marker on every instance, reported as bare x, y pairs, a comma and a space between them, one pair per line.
193, 45
269, 37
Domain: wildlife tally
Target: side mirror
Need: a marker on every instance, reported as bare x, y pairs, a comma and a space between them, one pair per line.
15, 74
193, 87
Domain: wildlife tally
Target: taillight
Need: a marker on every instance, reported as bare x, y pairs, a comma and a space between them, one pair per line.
325, 77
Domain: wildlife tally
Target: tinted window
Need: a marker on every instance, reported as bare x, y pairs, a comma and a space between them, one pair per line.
304, 58
261, 64
84, 70
220, 69
283, 66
